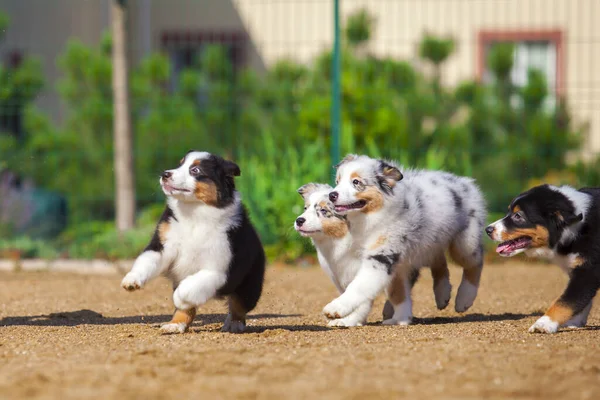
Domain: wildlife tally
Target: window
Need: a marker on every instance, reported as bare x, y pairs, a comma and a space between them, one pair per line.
185, 49
541, 50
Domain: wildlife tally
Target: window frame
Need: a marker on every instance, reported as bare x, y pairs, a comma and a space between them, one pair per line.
554, 36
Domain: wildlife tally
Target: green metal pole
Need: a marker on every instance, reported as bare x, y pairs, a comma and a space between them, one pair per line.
335, 87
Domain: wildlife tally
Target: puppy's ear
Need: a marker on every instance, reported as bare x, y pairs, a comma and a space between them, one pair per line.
306, 190
231, 168
387, 176
567, 218
348, 158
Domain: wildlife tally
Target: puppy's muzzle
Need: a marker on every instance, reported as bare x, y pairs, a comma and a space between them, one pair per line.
489, 230
166, 175
333, 196
300, 221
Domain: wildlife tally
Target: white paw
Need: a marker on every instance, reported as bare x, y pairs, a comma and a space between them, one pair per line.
336, 309
401, 322
544, 325
189, 294
343, 322
132, 281
233, 326
467, 292
173, 327
443, 292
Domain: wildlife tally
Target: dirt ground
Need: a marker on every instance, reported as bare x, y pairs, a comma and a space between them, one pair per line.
74, 336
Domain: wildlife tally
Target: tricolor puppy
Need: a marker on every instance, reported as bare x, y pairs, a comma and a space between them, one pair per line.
339, 258
402, 221
561, 224
204, 243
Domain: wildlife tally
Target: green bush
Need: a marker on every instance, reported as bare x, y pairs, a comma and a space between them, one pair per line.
277, 128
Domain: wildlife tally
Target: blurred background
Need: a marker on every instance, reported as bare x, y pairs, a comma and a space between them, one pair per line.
506, 91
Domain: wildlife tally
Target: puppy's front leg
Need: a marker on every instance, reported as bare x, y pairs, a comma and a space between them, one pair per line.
371, 279
580, 291
147, 266
197, 289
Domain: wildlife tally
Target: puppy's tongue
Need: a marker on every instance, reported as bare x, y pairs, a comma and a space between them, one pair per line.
510, 246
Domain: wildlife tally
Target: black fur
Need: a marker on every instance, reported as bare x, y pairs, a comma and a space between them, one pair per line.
387, 260
155, 243
457, 199
548, 208
221, 172
247, 268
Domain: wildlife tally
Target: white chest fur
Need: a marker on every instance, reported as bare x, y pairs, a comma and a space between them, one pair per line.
339, 260
198, 240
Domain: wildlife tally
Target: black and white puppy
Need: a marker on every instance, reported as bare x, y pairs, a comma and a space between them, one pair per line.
204, 243
561, 224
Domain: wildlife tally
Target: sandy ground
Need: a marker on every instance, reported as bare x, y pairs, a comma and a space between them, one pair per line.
70, 336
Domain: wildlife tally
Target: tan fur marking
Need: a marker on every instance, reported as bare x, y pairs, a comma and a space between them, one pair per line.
197, 162
355, 175
163, 229
439, 269
237, 311
538, 235
396, 292
373, 197
473, 275
181, 161
516, 209
323, 204
578, 261
206, 192
559, 312
335, 227
183, 316
379, 242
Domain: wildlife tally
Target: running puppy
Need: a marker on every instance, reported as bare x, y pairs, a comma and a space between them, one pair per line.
561, 224
204, 243
329, 233
402, 221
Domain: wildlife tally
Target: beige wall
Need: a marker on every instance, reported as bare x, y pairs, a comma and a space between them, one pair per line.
300, 29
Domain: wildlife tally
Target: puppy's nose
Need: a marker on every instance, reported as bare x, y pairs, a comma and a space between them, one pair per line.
166, 175
333, 196
300, 221
489, 230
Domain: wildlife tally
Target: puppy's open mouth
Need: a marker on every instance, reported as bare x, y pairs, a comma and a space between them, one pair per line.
354, 206
511, 247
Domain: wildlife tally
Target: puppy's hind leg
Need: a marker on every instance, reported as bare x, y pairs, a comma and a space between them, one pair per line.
388, 308
467, 250
245, 298
398, 293
442, 289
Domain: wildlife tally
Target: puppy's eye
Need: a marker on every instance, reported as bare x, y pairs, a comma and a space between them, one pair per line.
195, 170
518, 217
356, 182
324, 212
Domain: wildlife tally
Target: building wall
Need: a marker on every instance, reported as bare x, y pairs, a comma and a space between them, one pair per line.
300, 29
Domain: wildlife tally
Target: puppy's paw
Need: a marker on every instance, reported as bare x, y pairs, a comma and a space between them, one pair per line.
336, 309
173, 327
442, 292
132, 282
400, 322
467, 292
189, 294
233, 326
343, 323
544, 325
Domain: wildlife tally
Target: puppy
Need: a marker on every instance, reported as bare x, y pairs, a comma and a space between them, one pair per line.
401, 222
204, 243
329, 233
560, 224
